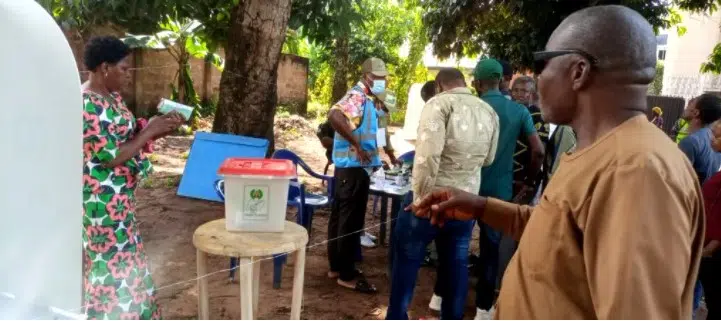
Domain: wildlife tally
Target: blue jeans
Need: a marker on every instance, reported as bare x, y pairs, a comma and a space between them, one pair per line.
411, 236
697, 294
489, 244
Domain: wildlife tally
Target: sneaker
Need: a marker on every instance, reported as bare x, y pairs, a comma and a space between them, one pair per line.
435, 303
370, 236
484, 314
367, 242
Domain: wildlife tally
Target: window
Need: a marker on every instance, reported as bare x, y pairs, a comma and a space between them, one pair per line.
661, 54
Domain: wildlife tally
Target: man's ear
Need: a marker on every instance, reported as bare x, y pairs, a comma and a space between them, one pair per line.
580, 74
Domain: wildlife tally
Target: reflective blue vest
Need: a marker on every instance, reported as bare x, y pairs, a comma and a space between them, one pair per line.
343, 157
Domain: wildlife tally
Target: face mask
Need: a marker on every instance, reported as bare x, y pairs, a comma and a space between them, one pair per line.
379, 86
381, 112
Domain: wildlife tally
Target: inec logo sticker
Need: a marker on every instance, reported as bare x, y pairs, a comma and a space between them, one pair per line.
255, 206
256, 194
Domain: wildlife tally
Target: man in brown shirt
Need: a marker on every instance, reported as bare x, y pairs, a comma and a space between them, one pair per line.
619, 230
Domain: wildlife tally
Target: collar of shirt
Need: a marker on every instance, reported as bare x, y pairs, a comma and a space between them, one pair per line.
363, 87
492, 93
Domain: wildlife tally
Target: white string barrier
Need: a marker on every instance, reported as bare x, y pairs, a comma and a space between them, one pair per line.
157, 289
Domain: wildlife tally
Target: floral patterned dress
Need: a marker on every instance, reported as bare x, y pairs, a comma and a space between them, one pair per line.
117, 283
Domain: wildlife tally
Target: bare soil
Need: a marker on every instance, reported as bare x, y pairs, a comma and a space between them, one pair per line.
167, 222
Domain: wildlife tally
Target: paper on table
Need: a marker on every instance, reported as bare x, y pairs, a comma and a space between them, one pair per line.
381, 137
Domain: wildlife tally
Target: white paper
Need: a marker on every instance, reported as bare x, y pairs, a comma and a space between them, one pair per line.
381, 137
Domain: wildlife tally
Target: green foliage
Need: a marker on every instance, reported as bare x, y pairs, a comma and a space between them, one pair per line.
317, 110
384, 26
182, 40
214, 15
323, 21
657, 84
514, 29
321, 81
295, 44
713, 64
408, 71
139, 16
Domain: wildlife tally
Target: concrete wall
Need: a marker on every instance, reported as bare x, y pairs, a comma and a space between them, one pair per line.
293, 83
154, 70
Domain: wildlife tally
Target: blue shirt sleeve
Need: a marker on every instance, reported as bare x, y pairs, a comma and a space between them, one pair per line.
688, 147
527, 122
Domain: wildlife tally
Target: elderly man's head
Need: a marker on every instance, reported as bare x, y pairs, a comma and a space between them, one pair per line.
523, 89
595, 55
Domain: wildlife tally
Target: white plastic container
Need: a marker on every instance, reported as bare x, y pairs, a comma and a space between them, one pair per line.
256, 193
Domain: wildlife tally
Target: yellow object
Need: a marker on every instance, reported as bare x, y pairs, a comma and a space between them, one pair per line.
657, 110
682, 130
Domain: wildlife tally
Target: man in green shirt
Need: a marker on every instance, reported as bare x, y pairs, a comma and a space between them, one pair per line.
497, 179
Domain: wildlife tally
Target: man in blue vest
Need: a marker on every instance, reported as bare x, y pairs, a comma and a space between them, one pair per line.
355, 154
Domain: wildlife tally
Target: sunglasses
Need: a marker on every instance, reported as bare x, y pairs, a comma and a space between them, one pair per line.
541, 58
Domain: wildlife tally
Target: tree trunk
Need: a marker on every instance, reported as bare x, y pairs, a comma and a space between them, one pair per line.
340, 77
248, 93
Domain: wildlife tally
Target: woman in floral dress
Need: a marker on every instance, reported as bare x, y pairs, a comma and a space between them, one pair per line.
117, 283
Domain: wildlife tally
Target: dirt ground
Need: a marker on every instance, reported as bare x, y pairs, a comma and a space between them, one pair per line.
167, 222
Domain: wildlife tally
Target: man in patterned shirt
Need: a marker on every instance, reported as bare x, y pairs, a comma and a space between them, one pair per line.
355, 155
526, 174
457, 136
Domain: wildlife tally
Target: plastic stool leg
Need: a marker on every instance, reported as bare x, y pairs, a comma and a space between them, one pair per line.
246, 288
298, 278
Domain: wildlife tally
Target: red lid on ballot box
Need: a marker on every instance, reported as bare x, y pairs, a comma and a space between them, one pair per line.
258, 167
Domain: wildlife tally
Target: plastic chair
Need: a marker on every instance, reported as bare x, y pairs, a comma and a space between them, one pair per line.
305, 202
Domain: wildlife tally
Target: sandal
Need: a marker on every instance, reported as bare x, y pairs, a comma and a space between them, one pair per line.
335, 275
362, 286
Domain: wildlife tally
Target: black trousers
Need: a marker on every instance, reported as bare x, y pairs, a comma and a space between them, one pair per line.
710, 275
347, 218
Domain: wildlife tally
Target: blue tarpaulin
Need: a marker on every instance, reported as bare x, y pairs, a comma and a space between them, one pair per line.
207, 153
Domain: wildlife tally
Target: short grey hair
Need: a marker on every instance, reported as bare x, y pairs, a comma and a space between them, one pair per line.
522, 80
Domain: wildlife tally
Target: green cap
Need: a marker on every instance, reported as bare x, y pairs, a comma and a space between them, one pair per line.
487, 69
374, 66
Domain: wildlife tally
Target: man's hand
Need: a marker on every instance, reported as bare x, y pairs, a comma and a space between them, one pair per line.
393, 159
449, 203
710, 248
363, 156
524, 191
